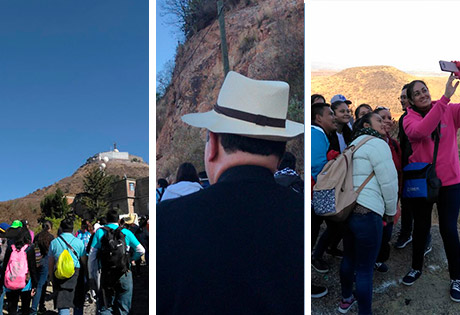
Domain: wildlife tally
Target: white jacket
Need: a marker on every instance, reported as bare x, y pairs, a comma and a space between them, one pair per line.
180, 189
381, 193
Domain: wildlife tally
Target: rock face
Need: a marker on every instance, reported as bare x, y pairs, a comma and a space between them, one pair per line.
28, 207
265, 41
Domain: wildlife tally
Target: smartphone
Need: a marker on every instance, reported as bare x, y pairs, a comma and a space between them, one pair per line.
448, 66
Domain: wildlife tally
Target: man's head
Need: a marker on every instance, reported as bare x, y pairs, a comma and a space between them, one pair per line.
112, 216
403, 97
323, 116
67, 225
47, 225
247, 126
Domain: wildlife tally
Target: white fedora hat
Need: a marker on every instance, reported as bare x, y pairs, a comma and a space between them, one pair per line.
252, 108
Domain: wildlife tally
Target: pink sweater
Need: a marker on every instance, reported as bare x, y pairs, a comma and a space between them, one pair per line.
419, 129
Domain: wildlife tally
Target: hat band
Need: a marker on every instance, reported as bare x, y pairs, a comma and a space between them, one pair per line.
260, 120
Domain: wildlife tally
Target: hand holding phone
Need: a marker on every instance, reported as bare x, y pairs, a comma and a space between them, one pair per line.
449, 66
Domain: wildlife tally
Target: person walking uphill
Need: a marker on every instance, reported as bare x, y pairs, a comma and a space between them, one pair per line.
19, 271
110, 266
426, 121
236, 247
64, 286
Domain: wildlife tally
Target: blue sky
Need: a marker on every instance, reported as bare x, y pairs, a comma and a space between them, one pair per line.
167, 36
73, 80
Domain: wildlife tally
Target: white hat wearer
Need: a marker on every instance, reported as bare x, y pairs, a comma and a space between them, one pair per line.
248, 107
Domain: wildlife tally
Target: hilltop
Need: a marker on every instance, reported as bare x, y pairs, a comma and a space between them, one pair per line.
373, 85
29, 206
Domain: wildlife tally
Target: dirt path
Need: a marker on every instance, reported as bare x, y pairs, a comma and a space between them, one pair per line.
428, 295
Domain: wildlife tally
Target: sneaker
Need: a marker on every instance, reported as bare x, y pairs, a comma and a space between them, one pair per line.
335, 252
403, 241
345, 305
455, 290
412, 275
320, 265
318, 292
427, 250
380, 267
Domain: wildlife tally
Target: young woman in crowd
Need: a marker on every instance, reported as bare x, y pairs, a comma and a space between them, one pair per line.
363, 235
20, 237
187, 182
384, 252
362, 110
342, 137
424, 121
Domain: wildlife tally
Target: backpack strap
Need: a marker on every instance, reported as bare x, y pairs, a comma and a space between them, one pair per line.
360, 143
68, 245
365, 182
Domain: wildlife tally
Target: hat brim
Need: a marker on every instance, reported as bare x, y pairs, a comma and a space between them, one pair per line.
347, 102
218, 123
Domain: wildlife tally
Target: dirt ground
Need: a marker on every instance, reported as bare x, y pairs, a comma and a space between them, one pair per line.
428, 295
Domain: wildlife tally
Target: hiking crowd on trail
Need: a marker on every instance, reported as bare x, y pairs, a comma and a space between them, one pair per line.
93, 264
390, 179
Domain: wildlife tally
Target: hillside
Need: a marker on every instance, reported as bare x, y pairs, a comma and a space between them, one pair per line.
29, 206
265, 41
374, 85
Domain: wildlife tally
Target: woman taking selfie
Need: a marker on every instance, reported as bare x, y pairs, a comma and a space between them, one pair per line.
363, 235
425, 121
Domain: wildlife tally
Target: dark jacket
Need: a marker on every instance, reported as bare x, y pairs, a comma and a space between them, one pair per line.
406, 148
334, 139
233, 248
31, 265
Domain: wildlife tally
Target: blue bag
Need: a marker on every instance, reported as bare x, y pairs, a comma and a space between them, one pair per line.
421, 181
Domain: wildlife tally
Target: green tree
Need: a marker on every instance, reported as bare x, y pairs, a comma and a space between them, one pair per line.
97, 188
55, 205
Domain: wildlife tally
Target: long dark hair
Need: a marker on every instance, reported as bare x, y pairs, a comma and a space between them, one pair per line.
410, 96
359, 124
187, 172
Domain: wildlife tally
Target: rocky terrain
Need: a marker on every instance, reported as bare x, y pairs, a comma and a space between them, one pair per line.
265, 40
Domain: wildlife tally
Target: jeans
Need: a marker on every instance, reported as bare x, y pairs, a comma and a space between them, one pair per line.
39, 297
407, 217
448, 210
330, 237
120, 298
361, 244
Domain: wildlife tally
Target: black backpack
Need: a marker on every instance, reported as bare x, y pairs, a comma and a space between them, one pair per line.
113, 256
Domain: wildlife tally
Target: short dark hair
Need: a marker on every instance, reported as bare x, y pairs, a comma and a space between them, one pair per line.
162, 182
47, 225
187, 172
359, 124
232, 143
405, 86
112, 216
318, 109
315, 96
67, 225
410, 90
288, 160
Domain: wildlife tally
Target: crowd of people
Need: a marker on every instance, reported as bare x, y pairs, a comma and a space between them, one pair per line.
73, 262
427, 134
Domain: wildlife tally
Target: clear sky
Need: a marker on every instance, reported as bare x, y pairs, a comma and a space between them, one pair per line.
167, 36
409, 35
73, 80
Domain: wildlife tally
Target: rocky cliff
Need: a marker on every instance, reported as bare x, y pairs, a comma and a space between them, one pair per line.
265, 41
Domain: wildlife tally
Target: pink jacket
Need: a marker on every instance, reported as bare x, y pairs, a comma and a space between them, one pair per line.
419, 129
